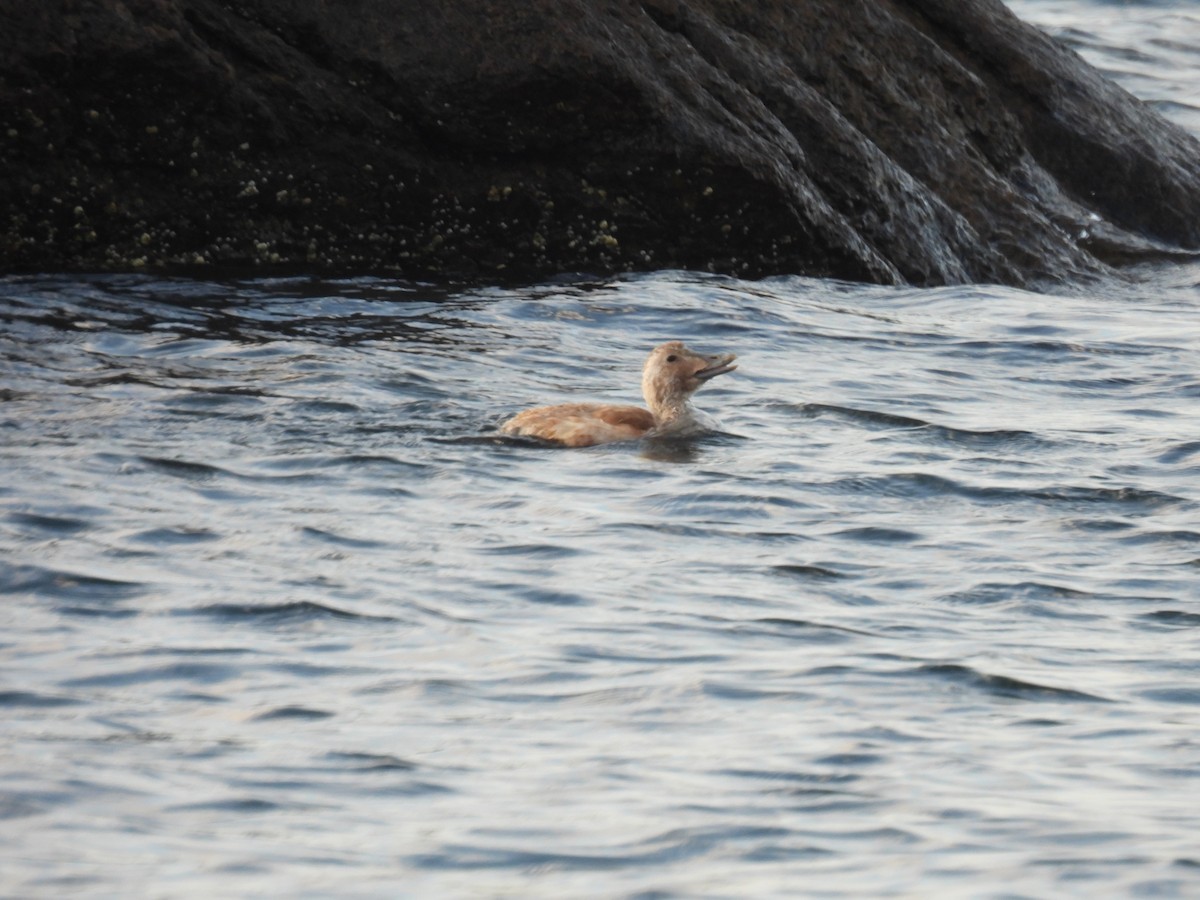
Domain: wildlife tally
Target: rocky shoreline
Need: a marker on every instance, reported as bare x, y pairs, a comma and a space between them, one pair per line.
925, 142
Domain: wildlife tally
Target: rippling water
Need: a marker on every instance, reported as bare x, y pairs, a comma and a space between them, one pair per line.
282, 615
1152, 47
281, 612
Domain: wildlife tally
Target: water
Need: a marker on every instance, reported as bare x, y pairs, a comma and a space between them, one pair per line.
1151, 47
282, 615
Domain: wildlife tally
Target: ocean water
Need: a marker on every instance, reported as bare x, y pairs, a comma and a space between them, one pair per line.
282, 615
1150, 47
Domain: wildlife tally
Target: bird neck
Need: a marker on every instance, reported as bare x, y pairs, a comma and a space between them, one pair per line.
671, 410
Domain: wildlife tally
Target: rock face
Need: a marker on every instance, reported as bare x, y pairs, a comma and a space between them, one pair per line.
922, 141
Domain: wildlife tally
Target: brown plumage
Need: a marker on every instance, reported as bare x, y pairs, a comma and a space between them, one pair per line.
671, 375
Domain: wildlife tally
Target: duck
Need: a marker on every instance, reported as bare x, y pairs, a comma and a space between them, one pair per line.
671, 374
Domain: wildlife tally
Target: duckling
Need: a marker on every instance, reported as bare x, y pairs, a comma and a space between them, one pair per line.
671, 375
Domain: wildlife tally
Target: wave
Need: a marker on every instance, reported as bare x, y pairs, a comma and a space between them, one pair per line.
923, 485
31, 699
294, 713
1001, 685
999, 592
874, 419
48, 523
674, 846
64, 585
1173, 617
297, 611
196, 672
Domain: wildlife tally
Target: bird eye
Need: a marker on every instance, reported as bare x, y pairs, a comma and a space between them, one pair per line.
672, 358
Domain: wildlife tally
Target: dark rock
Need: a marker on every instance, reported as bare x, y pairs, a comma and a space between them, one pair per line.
929, 141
